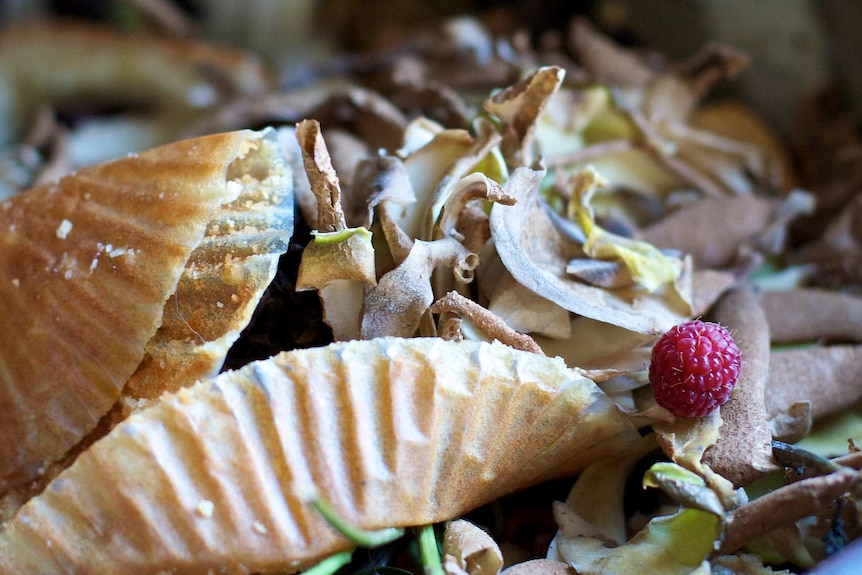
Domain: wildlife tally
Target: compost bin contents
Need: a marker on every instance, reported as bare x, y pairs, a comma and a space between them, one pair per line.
399, 309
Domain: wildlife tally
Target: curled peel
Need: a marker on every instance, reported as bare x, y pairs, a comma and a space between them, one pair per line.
391, 432
536, 254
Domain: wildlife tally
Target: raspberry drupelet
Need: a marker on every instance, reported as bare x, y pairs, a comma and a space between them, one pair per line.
694, 367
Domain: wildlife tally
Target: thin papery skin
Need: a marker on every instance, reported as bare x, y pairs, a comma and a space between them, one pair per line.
434, 170
527, 312
644, 264
598, 345
826, 377
390, 432
518, 107
321, 176
802, 315
540, 567
481, 156
340, 265
476, 186
684, 487
468, 550
536, 254
743, 452
395, 306
738, 122
605, 59
381, 179
66, 359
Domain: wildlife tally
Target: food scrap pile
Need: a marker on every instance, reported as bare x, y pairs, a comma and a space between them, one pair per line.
397, 313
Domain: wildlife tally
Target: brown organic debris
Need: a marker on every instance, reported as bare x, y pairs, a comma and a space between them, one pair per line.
784, 507
395, 306
692, 228
518, 107
826, 377
743, 450
489, 324
321, 176
803, 315
536, 253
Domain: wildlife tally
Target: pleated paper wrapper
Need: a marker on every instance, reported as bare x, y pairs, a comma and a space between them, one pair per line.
90, 261
391, 432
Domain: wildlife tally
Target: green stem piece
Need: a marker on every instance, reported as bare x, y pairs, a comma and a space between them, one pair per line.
331, 564
359, 536
429, 552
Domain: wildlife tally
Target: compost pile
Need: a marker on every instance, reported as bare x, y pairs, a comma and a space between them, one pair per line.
395, 313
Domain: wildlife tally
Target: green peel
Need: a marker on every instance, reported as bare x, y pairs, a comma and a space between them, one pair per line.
323, 238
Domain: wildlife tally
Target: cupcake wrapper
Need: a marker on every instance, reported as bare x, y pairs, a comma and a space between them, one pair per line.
390, 432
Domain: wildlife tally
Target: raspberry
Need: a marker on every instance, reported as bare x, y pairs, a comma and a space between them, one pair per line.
694, 368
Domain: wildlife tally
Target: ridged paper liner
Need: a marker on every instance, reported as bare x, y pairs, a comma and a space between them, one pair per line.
87, 264
391, 432
224, 278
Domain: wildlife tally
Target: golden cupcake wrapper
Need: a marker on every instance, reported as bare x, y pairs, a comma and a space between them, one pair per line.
88, 263
390, 432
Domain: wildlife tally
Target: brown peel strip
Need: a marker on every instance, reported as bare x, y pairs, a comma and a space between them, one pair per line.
518, 107
827, 377
693, 228
605, 59
380, 179
321, 176
473, 187
812, 314
743, 451
487, 322
784, 506
391, 432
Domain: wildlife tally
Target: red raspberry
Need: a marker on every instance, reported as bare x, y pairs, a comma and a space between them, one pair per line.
694, 368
